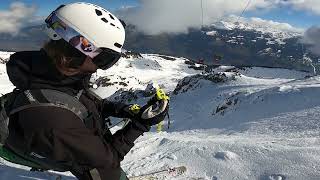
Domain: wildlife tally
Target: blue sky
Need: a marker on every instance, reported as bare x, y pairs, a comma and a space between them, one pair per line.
44, 6
297, 18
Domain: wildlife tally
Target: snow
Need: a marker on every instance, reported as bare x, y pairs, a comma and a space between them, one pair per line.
5, 85
140, 71
5, 55
212, 33
278, 31
232, 41
235, 123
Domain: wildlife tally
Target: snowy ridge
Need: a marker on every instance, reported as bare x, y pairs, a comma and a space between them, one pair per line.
232, 123
5, 84
4, 56
138, 72
275, 29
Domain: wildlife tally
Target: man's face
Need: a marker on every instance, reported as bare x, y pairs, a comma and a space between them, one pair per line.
88, 66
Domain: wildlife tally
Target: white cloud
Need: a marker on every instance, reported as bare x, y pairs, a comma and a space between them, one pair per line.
154, 16
176, 16
13, 19
312, 37
312, 6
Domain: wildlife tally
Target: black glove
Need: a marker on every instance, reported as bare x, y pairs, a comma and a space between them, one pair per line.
151, 114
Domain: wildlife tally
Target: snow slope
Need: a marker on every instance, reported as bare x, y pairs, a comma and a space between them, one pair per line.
248, 123
4, 56
138, 72
5, 84
241, 125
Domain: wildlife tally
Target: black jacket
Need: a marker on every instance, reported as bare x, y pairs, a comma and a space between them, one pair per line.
58, 134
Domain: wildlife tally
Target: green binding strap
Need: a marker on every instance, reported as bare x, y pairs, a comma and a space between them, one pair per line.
16, 159
123, 175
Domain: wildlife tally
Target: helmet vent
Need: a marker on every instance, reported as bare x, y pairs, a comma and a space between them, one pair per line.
123, 23
117, 45
111, 16
98, 12
112, 24
104, 20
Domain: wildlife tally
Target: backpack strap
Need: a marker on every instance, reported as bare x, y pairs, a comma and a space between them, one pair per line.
4, 120
52, 98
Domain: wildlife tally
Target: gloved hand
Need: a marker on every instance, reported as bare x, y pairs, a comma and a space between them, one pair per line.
153, 112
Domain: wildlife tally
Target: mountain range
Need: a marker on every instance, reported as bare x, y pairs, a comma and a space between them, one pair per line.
231, 41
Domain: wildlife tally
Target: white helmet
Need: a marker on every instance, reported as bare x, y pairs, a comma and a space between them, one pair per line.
91, 29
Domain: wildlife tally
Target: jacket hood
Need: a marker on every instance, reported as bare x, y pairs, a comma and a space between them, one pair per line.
35, 70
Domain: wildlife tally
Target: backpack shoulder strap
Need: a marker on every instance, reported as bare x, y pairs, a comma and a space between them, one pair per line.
51, 98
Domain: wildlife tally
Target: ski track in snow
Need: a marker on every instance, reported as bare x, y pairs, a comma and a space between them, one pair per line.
261, 123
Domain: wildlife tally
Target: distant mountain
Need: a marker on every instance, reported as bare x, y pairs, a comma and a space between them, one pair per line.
231, 41
30, 38
276, 30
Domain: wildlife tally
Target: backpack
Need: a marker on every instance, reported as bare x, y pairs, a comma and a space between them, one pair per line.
17, 100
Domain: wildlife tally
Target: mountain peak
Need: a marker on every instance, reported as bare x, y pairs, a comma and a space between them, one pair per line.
275, 29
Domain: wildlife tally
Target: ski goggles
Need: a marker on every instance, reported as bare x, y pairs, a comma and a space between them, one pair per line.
103, 58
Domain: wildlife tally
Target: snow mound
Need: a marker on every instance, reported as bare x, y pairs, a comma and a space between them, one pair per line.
226, 155
196, 81
276, 177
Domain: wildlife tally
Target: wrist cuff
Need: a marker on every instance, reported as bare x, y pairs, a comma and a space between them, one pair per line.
141, 127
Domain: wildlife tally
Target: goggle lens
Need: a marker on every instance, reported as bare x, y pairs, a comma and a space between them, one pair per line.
106, 59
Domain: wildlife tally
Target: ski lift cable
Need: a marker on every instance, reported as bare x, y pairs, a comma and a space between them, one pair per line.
241, 15
302, 49
244, 10
202, 14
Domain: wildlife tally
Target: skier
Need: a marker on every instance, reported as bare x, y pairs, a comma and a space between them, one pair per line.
55, 119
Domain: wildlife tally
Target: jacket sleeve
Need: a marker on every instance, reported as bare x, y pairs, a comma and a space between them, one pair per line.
123, 139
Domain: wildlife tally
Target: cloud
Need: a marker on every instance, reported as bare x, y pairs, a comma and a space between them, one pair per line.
16, 17
176, 16
263, 25
312, 37
312, 6
154, 16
